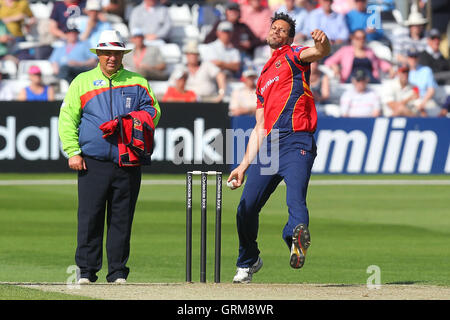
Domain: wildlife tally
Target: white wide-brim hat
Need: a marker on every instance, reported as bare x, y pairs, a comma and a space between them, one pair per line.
110, 40
178, 72
94, 5
415, 18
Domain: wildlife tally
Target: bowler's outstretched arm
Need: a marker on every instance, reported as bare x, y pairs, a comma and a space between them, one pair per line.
320, 50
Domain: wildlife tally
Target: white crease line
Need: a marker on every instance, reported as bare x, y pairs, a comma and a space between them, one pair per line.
337, 182
379, 182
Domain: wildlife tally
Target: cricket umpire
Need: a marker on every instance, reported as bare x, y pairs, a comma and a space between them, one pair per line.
285, 106
93, 98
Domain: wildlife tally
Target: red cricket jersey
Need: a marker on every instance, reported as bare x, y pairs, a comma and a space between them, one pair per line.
283, 91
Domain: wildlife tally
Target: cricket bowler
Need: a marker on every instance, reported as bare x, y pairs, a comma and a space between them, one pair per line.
285, 106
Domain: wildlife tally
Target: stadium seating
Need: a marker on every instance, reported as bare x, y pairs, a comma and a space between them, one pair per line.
191, 23
122, 28
180, 15
63, 86
9, 67
171, 53
159, 88
16, 85
183, 33
41, 10
44, 65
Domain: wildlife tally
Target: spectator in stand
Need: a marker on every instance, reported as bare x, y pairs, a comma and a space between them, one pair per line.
343, 6
176, 92
92, 26
265, 3
243, 100
359, 100
349, 58
276, 4
208, 15
153, 19
446, 108
6, 39
6, 91
332, 23
17, 16
114, 9
204, 78
400, 96
145, 60
440, 15
72, 58
433, 58
242, 37
222, 53
309, 5
62, 15
319, 83
299, 14
422, 77
257, 17
37, 90
359, 19
414, 38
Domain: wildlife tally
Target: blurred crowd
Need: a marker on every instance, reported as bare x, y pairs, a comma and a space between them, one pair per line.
389, 57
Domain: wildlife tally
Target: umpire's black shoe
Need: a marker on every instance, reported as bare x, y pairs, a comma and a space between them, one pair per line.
301, 240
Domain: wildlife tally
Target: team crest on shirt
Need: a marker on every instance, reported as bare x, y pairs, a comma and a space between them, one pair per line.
302, 152
99, 83
278, 64
136, 122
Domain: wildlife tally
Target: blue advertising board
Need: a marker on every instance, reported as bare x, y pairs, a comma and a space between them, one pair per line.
378, 145
203, 137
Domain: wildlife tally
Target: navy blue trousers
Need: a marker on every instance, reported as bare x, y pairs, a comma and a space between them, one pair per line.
105, 186
296, 155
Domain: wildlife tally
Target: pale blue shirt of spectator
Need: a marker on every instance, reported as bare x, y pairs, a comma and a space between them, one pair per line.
152, 18
422, 77
217, 50
333, 24
221, 51
298, 14
362, 20
95, 33
71, 52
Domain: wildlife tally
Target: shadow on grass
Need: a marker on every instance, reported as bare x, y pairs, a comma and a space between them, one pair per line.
406, 282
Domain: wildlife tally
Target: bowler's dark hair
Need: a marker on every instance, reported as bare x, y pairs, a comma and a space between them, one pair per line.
288, 19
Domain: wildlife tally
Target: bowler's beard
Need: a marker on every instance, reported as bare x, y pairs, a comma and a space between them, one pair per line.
275, 44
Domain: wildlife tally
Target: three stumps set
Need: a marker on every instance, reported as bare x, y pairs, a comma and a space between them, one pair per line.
203, 226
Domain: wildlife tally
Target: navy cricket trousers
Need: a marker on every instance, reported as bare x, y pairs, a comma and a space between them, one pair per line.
105, 186
296, 155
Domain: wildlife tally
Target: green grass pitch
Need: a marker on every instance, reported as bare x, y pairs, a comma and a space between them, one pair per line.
402, 229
